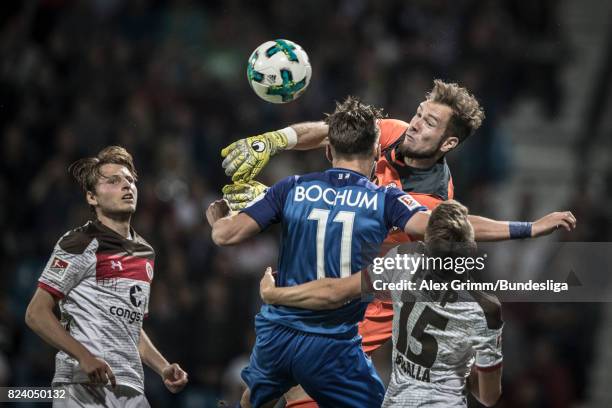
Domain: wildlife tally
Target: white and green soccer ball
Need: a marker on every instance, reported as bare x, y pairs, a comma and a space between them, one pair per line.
279, 71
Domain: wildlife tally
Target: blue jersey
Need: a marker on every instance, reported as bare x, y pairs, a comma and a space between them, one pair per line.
333, 223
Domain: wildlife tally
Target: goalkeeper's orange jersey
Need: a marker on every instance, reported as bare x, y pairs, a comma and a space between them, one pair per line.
428, 186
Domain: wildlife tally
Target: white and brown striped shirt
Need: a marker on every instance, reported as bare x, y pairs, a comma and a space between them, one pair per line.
103, 282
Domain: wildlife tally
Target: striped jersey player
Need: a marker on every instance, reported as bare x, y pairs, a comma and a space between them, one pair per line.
100, 276
102, 281
435, 346
443, 337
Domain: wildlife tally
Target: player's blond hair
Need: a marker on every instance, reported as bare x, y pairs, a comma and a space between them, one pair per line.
467, 112
449, 232
86, 171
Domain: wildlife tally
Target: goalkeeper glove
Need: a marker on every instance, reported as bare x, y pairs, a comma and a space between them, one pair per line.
245, 158
240, 195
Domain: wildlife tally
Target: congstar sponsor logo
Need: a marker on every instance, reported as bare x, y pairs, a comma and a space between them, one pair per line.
131, 316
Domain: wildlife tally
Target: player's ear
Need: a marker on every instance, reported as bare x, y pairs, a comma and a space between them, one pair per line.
377, 152
449, 144
329, 154
91, 198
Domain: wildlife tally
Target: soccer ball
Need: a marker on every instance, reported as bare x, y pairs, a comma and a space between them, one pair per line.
279, 71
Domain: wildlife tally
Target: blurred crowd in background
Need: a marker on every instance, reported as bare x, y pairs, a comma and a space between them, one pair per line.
167, 80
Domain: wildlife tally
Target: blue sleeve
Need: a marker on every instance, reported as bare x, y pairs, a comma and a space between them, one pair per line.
400, 207
269, 209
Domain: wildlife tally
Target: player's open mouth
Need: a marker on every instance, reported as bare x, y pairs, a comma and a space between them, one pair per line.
128, 197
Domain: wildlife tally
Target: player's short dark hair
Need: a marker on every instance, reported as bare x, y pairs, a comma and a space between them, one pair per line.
86, 171
467, 113
353, 130
449, 232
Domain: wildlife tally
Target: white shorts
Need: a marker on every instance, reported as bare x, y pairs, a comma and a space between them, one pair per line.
86, 395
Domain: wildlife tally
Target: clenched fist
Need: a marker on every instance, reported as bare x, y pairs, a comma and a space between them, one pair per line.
240, 195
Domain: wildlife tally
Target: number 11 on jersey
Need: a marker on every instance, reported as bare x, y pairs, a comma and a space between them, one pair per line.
347, 218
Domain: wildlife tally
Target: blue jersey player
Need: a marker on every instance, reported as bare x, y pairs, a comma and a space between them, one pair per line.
332, 223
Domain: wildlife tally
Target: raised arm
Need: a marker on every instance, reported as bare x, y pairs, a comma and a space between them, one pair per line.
320, 294
245, 158
486, 229
310, 135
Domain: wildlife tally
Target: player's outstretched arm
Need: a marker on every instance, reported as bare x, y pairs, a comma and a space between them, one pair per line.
320, 294
485, 386
41, 319
486, 229
172, 375
229, 229
245, 158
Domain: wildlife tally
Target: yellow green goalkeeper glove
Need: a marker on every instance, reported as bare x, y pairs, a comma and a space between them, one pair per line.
244, 159
240, 195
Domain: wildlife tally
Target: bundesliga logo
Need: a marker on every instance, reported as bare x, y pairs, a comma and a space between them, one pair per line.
409, 202
59, 266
